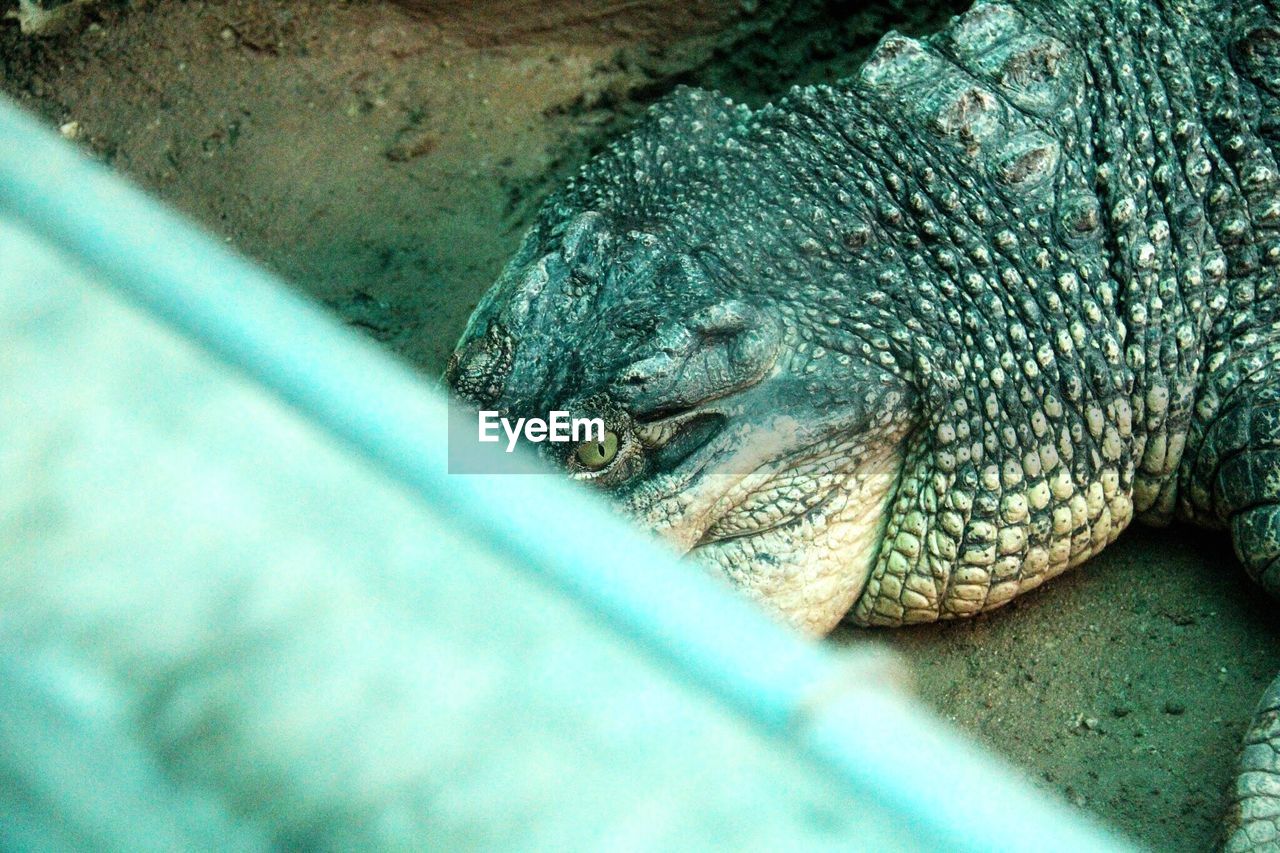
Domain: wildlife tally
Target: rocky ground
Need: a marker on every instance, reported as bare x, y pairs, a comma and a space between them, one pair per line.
385, 158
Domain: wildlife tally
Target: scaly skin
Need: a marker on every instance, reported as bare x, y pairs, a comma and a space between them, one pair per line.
904, 348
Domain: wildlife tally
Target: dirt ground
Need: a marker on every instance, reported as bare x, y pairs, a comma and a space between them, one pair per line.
385, 159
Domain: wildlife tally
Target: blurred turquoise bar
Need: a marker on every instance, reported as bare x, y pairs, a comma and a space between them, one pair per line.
532, 672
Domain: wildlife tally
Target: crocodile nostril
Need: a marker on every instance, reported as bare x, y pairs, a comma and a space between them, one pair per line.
478, 370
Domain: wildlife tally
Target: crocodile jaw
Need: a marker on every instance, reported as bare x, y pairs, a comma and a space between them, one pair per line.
809, 570
793, 520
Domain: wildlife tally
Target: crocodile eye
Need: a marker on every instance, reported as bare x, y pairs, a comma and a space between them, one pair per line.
594, 455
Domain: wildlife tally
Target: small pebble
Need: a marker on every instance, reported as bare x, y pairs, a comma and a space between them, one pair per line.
1174, 708
416, 145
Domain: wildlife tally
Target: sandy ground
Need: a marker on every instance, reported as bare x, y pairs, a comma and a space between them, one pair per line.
385, 158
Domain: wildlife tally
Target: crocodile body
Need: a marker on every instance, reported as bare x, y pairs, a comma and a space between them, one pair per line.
903, 348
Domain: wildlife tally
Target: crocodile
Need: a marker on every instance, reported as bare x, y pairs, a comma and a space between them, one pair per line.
902, 348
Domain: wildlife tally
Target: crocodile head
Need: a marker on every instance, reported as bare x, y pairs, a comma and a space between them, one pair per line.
644, 296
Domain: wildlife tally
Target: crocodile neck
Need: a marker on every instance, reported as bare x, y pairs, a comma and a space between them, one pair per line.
1092, 287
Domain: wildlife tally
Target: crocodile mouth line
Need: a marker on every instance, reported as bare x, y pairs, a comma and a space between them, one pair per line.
761, 480
709, 537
